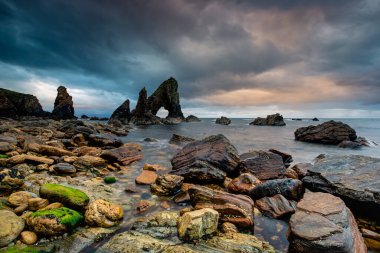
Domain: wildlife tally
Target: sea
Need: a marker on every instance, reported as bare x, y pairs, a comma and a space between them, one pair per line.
244, 137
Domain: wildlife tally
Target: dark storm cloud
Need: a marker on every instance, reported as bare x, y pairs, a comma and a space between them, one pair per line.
209, 46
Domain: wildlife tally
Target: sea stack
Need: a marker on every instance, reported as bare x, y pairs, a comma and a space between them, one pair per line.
122, 113
63, 105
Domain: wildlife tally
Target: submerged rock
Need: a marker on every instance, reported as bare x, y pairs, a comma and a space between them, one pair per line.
206, 161
68, 196
146, 177
330, 132
322, 223
63, 105
223, 121
101, 213
276, 207
270, 120
180, 139
290, 188
354, 178
243, 184
11, 226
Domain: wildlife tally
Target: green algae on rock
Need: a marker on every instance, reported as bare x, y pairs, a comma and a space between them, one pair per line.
55, 221
109, 180
25, 249
3, 156
68, 196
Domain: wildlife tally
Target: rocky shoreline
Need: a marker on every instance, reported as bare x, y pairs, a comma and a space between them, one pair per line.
62, 190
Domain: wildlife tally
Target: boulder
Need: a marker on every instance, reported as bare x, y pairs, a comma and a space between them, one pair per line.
14, 104
89, 163
146, 177
18, 159
63, 169
286, 158
63, 105
243, 184
167, 185
290, 188
122, 113
276, 207
20, 198
68, 196
223, 121
180, 139
11, 226
270, 120
54, 222
192, 118
101, 213
207, 160
198, 224
28, 237
354, 178
51, 150
301, 169
126, 154
322, 223
237, 209
104, 140
330, 132
262, 164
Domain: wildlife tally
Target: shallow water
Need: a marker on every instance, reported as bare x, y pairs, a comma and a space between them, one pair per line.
245, 138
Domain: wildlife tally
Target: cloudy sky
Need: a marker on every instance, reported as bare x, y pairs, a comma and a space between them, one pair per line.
231, 57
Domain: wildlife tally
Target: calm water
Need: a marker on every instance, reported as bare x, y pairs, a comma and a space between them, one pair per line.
245, 138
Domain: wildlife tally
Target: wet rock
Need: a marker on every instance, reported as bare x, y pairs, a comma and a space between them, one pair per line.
243, 184
11, 226
109, 180
54, 205
54, 222
228, 227
315, 119
286, 158
35, 204
223, 121
262, 164
5, 147
101, 213
237, 209
354, 178
9, 184
84, 150
290, 188
290, 173
206, 161
68, 196
180, 139
126, 154
322, 223
276, 207
350, 144
192, 118
270, 120
20, 198
104, 140
198, 224
144, 205
28, 237
122, 113
51, 150
149, 139
330, 132
63, 105
18, 159
301, 169
153, 167
167, 185
89, 163
63, 169
146, 177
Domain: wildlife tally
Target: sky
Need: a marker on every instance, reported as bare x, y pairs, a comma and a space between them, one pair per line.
234, 58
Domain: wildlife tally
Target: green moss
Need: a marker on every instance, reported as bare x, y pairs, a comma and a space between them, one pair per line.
63, 215
4, 205
70, 197
3, 156
109, 180
22, 249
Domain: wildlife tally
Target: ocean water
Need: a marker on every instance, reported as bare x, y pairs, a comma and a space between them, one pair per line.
244, 137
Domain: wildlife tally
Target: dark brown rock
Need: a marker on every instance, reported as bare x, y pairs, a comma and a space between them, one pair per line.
223, 121
180, 139
206, 161
301, 169
167, 185
237, 209
276, 207
270, 120
122, 113
63, 169
104, 140
192, 118
63, 105
330, 132
286, 158
289, 188
322, 223
126, 154
243, 184
262, 164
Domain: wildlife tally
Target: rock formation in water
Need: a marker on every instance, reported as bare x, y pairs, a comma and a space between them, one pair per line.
63, 105
122, 113
142, 114
14, 104
223, 121
270, 120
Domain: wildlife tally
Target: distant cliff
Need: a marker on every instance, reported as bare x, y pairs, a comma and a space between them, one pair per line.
14, 104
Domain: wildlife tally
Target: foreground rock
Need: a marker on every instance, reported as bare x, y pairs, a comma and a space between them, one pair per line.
262, 164
167, 185
11, 226
198, 224
14, 104
243, 184
237, 209
207, 160
101, 213
276, 207
68, 196
270, 120
330, 132
63, 105
223, 121
322, 223
354, 178
126, 154
290, 188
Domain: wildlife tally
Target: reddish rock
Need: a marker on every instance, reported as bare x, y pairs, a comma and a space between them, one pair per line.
276, 207
146, 177
286, 158
167, 185
301, 169
243, 184
126, 154
143, 206
290, 173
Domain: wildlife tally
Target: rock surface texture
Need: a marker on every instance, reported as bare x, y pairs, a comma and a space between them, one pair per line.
14, 104
63, 105
322, 223
11, 226
354, 178
330, 132
270, 120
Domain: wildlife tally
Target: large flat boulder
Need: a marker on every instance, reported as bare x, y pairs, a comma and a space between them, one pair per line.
270, 120
322, 223
354, 178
